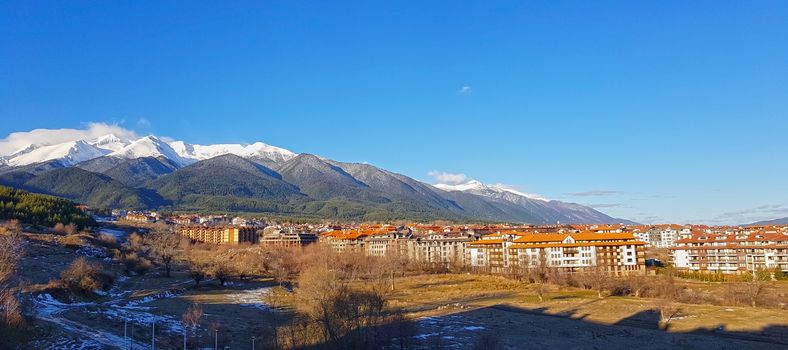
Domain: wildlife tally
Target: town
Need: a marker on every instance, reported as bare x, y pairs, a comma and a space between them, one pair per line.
618, 249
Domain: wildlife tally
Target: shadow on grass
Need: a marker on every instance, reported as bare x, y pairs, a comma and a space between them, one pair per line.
506, 326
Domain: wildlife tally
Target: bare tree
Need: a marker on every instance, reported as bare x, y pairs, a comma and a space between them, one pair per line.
537, 272
754, 289
191, 318
220, 271
165, 245
197, 271
595, 278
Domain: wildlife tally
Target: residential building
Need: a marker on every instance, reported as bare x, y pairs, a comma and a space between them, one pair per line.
447, 248
617, 253
220, 234
734, 252
286, 238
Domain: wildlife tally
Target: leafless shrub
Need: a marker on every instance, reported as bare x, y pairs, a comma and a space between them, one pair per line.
10, 310
108, 241
70, 229
84, 277
72, 241
10, 227
11, 253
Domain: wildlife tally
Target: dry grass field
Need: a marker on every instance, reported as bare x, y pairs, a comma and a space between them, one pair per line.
448, 310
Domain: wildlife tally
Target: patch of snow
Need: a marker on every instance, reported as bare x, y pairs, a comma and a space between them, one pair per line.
115, 233
250, 298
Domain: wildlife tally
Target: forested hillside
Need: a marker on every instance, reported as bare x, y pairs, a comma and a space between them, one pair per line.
37, 209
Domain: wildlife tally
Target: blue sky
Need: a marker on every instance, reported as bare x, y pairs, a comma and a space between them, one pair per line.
653, 111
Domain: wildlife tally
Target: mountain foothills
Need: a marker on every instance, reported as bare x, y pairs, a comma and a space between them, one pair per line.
151, 173
38, 209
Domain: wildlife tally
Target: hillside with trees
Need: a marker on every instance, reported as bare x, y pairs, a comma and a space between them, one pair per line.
37, 209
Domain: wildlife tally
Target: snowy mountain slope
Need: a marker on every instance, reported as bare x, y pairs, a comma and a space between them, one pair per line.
493, 190
150, 146
543, 210
257, 150
68, 153
181, 153
110, 142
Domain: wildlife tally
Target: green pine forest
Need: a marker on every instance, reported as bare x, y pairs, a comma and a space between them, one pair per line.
41, 210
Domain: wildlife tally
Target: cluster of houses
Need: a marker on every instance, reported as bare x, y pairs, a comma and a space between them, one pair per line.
618, 249
494, 248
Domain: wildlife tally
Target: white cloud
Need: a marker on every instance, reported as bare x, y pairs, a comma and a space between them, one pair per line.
143, 123
447, 178
18, 140
465, 90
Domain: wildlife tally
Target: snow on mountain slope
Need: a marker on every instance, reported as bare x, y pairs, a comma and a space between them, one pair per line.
546, 210
110, 142
150, 146
480, 188
68, 153
255, 150
181, 153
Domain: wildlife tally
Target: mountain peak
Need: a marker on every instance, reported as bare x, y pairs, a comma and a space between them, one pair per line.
477, 187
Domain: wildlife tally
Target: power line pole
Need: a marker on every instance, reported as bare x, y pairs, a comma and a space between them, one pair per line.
153, 336
252, 342
216, 339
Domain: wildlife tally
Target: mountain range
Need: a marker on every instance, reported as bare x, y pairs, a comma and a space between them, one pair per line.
780, 221
152, 173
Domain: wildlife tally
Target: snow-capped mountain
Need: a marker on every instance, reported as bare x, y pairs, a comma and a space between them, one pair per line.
150, 146
550, 211
257, 150
496, 190
110, 142
181, 153
158, 172
68, 153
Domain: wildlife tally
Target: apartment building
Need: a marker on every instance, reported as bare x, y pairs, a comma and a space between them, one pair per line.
140, 217
732, 252
662, 236
220, 234
384, 242
618, 253
447, 248
346, 240
286, 238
